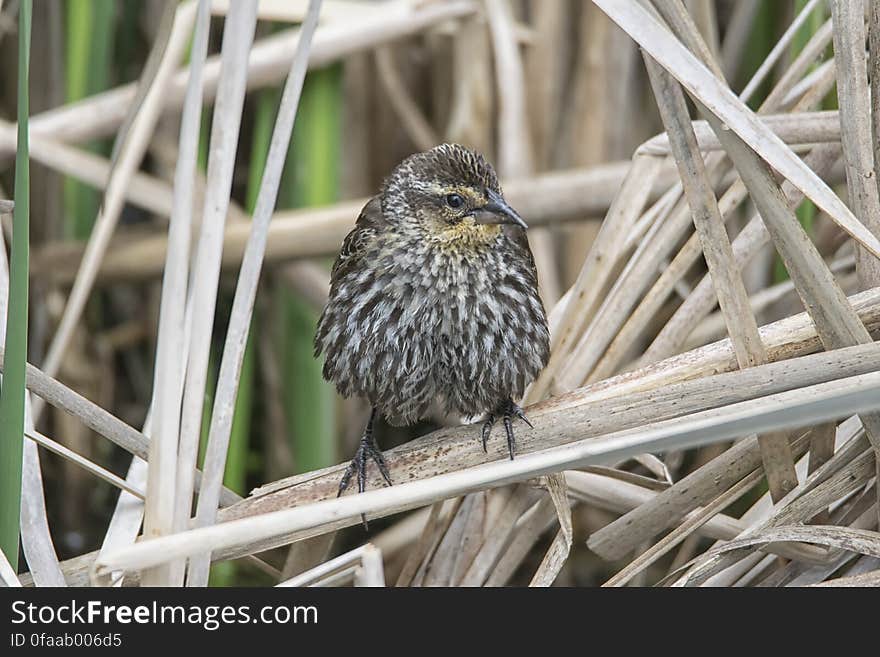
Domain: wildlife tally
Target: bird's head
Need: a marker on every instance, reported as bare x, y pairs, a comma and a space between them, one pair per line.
448, 195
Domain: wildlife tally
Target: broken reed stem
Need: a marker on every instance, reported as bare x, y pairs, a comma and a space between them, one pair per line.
725, 275
848, 18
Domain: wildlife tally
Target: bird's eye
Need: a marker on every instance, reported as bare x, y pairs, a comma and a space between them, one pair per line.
454, 201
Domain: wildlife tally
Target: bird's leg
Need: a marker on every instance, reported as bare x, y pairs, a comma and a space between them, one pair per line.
507, 411
367, 449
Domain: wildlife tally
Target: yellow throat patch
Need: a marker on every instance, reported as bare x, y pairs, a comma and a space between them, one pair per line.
467, 234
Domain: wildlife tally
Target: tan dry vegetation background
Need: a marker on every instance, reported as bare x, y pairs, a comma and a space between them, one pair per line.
699, 178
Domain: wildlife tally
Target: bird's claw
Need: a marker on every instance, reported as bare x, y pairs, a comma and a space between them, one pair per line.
366, 450
487, 429
507, 412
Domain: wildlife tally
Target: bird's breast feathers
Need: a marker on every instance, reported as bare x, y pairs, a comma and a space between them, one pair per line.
425, 320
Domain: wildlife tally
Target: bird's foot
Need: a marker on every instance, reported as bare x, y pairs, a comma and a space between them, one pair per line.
507, 411
368, 449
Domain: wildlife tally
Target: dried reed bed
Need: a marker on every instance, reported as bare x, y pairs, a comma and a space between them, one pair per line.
674, 444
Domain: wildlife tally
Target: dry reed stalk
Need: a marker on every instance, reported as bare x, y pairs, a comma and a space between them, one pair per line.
483, 539
837, 324
699, 302
842, 538
595, 273
740, 24
649, 306
245, 295
294, 11
497, 538
458, 540
82, 462
127, 161
371, 572
874, 71
809, 54
128, 513
581, 118
869, 579
776, 53
452, 449
514, 143
712, 327
557, 554
469, 115
605, 492
824, 483
544, 199
143, 190
515, 160
640, 271
725, 275
305, 555
738, 119
413, 120
36, 538
534, 523
7, 574
848, 19
237, 39
746, 245
544, 63
693, 38
309, 577
434, 529
172, 463
268, 62
799, 407
794, 129
848, 436
702, 485
689, 525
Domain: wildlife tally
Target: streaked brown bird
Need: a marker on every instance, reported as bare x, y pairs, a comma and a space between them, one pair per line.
434, 297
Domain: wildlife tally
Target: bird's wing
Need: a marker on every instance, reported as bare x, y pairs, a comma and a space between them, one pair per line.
355, 245
519, 237
368, 224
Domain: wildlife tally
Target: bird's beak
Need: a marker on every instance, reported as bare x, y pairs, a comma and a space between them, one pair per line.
497, 211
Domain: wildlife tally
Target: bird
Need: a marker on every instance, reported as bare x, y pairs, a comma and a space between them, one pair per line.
434, 300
